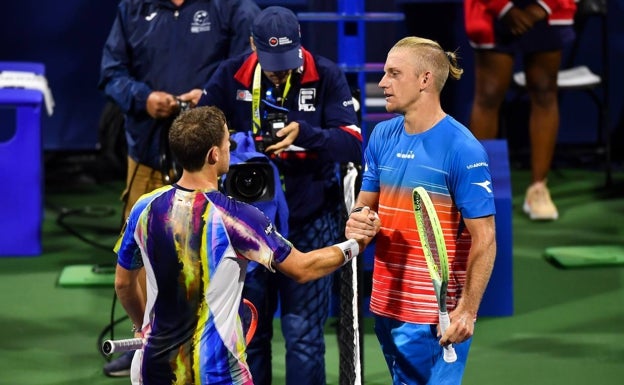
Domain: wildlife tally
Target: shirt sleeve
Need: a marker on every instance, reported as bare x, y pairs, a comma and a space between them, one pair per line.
471, 182
127, 250
253, 235
115, 79
370, 177
338, 138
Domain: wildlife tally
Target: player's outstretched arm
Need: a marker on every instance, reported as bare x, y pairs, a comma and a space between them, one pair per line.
304, 267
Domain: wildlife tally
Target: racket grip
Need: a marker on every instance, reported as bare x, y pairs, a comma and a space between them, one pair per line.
112, 346
449, 351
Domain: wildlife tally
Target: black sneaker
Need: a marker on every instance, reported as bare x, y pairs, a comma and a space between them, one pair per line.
119, 367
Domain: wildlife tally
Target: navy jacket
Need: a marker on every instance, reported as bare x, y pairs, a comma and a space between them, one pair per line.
155, 46
320, 100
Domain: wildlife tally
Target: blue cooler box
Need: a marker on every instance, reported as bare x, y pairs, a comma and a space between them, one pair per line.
21, 189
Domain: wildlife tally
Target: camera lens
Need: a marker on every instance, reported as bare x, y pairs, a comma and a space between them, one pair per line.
250, 183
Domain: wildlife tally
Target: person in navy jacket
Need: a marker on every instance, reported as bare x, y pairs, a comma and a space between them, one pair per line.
299, 109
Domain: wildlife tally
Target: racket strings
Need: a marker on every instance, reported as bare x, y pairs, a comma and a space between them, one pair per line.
431, 240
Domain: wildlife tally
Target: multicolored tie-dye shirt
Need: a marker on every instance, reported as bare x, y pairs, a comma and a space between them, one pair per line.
195, 247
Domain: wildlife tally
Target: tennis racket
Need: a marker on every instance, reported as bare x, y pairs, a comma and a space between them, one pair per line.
249, 318
113, 346
434, 248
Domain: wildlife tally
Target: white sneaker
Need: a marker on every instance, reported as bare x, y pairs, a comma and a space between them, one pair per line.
537, 203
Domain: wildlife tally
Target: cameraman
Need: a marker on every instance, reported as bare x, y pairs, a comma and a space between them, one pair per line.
281, 84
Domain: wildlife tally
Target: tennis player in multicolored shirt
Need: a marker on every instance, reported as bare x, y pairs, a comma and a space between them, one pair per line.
423, 146
194, 243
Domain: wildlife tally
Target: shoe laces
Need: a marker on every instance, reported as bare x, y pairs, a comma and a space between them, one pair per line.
539, 194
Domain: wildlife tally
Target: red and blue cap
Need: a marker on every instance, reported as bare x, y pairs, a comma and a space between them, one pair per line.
277, 37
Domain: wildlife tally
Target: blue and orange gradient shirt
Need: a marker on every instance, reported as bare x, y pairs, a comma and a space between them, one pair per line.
195, 247
452, 166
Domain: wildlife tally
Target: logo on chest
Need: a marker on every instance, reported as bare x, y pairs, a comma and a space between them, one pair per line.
405, 155
307, 99
201, 22
243, 95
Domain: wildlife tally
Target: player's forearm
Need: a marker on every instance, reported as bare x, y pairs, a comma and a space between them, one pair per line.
304, 267
131, 300
479, 270
319, 263
130, 294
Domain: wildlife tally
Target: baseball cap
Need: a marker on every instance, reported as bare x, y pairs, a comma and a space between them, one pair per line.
277, 38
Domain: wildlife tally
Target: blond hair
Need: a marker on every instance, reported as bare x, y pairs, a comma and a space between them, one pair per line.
429, 56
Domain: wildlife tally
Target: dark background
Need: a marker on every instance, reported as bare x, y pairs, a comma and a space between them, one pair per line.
68, 37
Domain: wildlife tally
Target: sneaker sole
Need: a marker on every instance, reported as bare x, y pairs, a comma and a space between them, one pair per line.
527, 210
120, 373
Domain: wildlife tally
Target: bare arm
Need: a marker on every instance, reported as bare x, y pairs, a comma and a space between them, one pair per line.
304, 267
130, 294
479, 269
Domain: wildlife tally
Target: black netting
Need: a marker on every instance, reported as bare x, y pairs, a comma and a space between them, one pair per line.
346, 332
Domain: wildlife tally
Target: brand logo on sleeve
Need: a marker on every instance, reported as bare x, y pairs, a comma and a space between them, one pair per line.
485, 185
475, 165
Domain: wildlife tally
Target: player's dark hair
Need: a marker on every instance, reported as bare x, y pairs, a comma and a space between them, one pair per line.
193, 133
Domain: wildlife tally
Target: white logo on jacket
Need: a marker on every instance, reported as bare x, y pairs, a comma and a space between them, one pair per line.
307, 97
201, 22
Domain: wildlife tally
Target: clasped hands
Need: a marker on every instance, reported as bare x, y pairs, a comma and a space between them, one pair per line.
362, 226
520, 20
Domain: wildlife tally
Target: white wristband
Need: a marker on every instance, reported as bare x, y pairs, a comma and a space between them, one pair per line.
350, 249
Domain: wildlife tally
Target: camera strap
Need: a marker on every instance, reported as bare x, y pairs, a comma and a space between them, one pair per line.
255, 101
255, 98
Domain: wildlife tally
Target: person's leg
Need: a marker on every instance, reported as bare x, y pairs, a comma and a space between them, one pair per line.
260, 288
304, 312
305, 307
492, 77
414, 356
541, 71
140, 179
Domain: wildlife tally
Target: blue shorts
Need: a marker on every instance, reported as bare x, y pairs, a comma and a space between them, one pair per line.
541, 38
414, 355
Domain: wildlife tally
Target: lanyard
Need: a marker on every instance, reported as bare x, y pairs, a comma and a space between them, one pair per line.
255, 98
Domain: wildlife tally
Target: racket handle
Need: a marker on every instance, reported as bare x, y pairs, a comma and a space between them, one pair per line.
112, 346
449, 351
